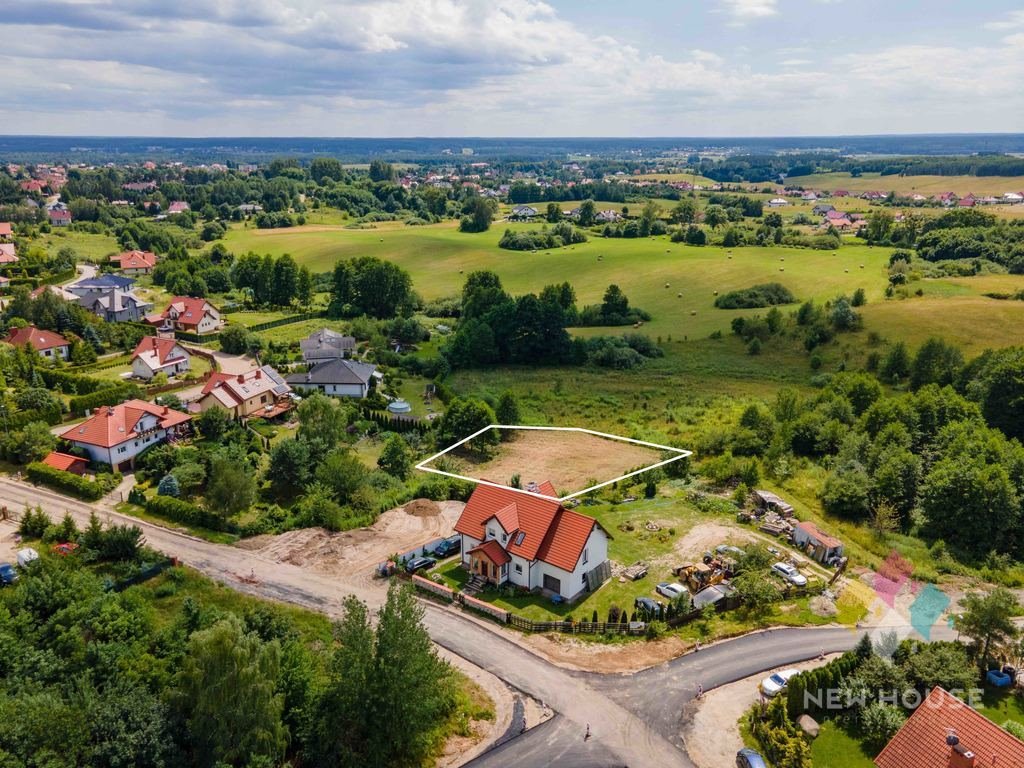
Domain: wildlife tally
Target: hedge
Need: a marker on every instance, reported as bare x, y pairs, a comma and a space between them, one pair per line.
112, 395
89, 490
183, 512
71, 383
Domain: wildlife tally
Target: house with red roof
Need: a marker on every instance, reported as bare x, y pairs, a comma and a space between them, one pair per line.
116, 434
155, 355
511, 537
8, 254
188, 314
6, 230
135, 262
59, 217
260, 393
47, 343
65, 462
944, 732
177, 206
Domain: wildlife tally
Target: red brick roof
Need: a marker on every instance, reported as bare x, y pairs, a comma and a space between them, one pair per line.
5, 229
492, 550
550, 532
159, 347
921, 742
190, 310
113, 425
64, 461
39, 339
135, 260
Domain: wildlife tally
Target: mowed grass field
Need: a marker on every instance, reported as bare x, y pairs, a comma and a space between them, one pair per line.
908, 185
675, 283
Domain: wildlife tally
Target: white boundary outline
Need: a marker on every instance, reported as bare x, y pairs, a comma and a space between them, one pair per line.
681, 454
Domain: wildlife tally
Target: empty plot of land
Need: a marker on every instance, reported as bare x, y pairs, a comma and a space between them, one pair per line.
570, 460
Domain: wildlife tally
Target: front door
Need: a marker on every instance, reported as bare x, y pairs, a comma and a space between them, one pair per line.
552, 584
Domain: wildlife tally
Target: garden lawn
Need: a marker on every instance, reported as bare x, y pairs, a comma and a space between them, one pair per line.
1000, 706
835, 748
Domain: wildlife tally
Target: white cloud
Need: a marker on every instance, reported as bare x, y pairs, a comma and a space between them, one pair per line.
747, 10
1013, 20
463, 67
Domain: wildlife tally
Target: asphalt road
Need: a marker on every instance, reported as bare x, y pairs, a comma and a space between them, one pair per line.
635, 719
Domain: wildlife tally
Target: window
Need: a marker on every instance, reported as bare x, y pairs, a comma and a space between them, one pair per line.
504, 538
519, 568
504, 570
491, 534
519, 538
586, 555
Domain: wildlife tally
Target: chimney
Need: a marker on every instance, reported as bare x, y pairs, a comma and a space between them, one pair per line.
110, 410
259, 374
241, 378
961, 757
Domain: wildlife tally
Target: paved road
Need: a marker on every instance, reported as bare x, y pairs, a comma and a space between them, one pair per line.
635, 719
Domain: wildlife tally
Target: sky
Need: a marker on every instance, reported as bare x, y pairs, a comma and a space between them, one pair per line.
385, 68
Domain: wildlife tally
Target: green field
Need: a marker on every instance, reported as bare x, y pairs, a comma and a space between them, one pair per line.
439, 257
908, 185
88, 247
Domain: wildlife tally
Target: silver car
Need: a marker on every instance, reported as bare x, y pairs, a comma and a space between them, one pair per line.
790, 574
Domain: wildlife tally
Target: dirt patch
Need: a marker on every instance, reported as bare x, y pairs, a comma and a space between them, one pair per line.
422, 508
718, 712
589, 656
356, 552
571, 461
9, 542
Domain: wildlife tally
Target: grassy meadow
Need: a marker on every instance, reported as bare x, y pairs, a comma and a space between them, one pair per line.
909, 185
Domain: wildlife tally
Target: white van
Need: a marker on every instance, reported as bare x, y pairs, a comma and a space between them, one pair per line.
26, 556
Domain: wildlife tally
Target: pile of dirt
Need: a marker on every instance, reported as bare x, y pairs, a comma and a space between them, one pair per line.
422, 508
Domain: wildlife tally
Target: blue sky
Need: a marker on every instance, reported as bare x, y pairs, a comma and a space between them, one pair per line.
510, 67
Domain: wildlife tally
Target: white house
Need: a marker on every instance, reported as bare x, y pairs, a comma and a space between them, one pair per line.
46, 343
512, 537
155, 355
116, 434
338, 377
188, 314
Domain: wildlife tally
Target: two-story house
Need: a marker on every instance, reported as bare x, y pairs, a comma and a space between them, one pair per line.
535, 543
188, 314
116, 434
155, 355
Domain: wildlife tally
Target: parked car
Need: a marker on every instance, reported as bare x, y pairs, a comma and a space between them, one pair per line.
748, 758
26, 556
419, 563
776, 683
448, 546
648, 607
790, 574
7, 574
64, 549
671, 590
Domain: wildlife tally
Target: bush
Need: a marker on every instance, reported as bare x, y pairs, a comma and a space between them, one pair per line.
83, 488
112, 395
756, 297
188, 514
34, 523
559, 235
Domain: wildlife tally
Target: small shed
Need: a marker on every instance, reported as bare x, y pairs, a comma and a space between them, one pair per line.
66, 462
818, 544
770, 502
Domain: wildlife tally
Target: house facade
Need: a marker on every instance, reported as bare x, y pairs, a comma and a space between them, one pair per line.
509, 537
46, 343
115, 305
116, 434
261, 393
338, 378
816, 542
155, 355
188, 314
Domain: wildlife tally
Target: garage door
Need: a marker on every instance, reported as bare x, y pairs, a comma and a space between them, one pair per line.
555, 585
